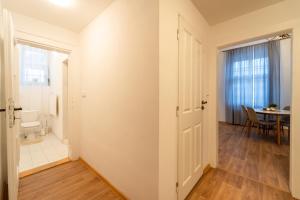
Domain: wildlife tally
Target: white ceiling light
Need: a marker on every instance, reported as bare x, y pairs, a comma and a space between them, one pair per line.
62, 3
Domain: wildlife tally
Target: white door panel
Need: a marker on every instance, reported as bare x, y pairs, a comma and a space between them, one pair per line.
190, 126
11, 95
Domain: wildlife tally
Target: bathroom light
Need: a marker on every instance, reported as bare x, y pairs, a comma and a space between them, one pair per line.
62, 3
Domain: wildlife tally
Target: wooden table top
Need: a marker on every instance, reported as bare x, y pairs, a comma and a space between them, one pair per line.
275, 112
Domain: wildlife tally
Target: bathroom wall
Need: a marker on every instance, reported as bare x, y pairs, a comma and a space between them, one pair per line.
56, 93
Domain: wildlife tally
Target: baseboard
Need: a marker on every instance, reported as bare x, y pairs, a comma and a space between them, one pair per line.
207, 169
295, 196
102, 178
44, 167
5, 191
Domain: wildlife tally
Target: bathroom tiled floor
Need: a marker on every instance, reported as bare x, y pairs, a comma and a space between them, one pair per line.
51, 149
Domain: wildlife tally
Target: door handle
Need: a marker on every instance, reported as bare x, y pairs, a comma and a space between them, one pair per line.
15, 109
203, 102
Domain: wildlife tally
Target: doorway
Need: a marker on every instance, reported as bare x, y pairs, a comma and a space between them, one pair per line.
42, 81
260, 73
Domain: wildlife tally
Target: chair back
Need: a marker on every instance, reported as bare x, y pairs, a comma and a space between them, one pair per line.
245, 112
286, 119
252, 114
287, 108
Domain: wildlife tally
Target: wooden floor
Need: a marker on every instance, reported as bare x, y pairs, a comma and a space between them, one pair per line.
249, 168
252, 168
71, 181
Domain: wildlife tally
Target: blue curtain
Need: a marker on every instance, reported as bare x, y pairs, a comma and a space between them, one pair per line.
249, 80
274, 61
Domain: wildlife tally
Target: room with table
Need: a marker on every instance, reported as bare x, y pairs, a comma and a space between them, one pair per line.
255, 110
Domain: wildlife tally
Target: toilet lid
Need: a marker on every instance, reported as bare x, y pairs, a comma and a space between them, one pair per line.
30, 124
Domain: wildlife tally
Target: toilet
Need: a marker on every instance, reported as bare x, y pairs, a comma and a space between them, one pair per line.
30, 124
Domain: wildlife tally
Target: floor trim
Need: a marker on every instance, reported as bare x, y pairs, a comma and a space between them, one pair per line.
43, 167
103, 178
207, 169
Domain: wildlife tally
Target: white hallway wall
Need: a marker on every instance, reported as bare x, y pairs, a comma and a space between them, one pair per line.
120, 112
279, 17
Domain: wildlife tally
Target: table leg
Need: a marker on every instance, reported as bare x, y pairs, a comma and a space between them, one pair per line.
278, 129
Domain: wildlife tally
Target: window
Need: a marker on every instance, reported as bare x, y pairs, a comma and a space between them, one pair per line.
34, 66
250, 79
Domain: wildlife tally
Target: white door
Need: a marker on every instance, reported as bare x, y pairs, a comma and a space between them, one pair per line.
9, 68
190, 167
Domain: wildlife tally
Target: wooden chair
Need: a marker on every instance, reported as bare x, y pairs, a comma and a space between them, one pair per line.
285, 122
259, 124
247, 121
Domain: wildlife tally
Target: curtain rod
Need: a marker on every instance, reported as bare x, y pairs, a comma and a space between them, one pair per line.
253, 43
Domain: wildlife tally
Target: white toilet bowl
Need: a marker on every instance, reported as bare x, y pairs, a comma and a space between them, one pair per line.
30, 123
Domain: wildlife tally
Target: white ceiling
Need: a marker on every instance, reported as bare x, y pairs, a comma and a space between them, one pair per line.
82, 12
75, 17
217, 11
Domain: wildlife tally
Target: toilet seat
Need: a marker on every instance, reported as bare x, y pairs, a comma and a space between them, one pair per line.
30, 124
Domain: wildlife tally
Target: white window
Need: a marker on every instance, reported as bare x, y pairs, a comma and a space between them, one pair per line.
34, 64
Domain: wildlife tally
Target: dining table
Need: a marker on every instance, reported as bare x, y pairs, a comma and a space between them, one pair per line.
277, 114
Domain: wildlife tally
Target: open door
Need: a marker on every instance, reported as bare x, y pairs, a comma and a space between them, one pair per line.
190, 109
10, 92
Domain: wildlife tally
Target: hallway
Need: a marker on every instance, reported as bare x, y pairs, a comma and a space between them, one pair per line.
65, 182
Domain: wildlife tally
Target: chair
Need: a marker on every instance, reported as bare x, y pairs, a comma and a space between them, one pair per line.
247, 121
255, 122
285, 122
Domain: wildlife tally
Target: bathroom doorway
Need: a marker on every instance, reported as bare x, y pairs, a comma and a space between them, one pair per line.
43, 82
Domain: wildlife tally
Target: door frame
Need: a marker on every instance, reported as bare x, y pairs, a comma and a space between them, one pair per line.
215, 139
74, 73
181, 20
65, 94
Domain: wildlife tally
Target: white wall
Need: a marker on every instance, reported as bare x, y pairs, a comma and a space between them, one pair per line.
35, 98
33, 30
43, 32
168, 90
120, 81
272, 19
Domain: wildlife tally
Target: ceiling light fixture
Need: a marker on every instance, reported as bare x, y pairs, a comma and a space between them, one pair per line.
62, 3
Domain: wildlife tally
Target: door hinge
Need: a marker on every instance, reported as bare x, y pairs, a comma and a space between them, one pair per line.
178, 34
177, 111
177, 190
